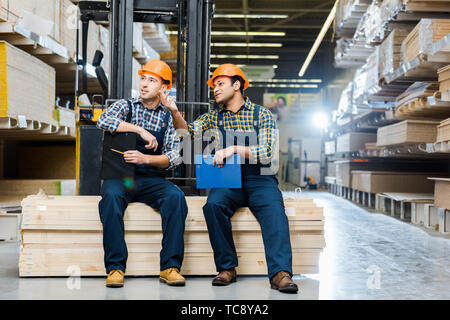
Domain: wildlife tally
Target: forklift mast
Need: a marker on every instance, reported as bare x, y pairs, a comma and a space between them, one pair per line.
193, 18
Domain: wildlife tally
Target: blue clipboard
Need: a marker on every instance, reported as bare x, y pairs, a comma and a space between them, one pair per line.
209, 176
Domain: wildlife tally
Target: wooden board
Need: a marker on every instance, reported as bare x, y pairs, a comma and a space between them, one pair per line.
354, 141
387, 181
420, 39
408, 131
443, 131
441, 192
390, 51
62, 231
23, 187
27, 86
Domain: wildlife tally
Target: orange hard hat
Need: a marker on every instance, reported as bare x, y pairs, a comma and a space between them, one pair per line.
158, 68
229, 70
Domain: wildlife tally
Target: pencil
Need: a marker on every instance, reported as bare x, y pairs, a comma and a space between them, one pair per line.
117, 151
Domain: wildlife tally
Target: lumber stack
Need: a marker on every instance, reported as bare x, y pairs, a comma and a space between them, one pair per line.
415, 102
441, 193
60, 14
408, 131
389, 181
419, 40
444, 79
390, 56
20, 188
443, 131
61, 231
27, 86
354, 141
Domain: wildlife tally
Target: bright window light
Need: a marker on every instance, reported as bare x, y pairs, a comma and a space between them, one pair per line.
320, 120
251, 16
243, 56
244, 45
238, 33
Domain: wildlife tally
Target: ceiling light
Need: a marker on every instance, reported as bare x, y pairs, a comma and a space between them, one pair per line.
251, 16
240, 44
319, 39
214, 65
288, 80
238, 33
243, 56
279, 85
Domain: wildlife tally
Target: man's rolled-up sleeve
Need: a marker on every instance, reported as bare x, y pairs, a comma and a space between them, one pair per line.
172, 146
111, 118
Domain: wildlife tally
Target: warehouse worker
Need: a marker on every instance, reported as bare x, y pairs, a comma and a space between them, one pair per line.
156, 138
259, 191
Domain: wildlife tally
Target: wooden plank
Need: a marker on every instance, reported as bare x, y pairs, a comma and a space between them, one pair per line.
408, 131
28, 88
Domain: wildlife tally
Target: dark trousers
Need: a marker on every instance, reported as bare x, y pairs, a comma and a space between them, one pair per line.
156, 192
263, 197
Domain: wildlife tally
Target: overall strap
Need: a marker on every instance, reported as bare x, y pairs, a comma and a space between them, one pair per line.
130, 111
256, 118
165, 122
221, 127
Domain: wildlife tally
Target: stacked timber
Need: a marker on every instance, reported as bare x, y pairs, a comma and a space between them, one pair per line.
27, 90
444, 79
419, 41
389, 181
354, 141
415, 102
441, 194
60, 233
443, 131
60, 15
390, 56
408, 131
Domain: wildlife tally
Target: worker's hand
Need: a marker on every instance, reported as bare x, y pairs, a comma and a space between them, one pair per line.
221, 155
152, 143
134, 156
168, 102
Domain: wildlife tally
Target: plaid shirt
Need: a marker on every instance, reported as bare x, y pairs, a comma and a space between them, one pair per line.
149, 119
242, 121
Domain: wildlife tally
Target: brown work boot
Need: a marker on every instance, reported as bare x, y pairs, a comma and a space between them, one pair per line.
115, 279
282, 281
225, 277
172, 277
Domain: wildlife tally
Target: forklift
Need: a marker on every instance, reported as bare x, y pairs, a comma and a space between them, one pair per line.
193, 20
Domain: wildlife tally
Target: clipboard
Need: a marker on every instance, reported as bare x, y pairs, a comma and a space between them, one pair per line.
210, 177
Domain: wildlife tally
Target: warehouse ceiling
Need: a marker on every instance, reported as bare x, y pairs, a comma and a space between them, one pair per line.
302, 22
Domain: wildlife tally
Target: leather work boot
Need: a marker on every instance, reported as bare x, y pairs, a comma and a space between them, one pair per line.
172, 277
115, 279
225, 277
282, 281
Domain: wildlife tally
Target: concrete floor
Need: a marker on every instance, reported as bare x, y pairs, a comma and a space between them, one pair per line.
368, 255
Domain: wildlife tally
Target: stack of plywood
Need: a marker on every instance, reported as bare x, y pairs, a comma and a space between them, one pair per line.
420, 39
59, 233
330, 147
27, 86
354, 141
415, 102
441, 192
18, 189
62, 14
388, 181
443, 131
390, 51
444, 79
424, 5
408, 131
